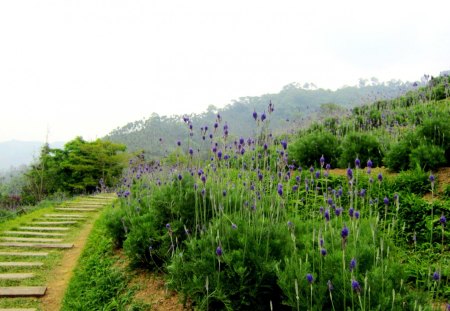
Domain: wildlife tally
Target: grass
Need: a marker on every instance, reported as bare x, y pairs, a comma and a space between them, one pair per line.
101, 280
43, 274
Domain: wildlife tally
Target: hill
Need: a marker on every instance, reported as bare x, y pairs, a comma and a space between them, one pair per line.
296, 105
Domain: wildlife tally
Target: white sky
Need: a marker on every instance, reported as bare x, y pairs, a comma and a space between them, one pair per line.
84, 67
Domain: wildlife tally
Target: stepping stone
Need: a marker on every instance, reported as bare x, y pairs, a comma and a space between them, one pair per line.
15, 276
37, 245
44, 228
33, 233
53, 222
18, 239
65, 215
32, 254
79, 209
20, 309
22, 291
21, 264
59, 219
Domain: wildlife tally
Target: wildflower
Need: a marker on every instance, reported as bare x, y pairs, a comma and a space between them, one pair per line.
386, 201
179, 143
191, 151
263, 116
309, 278
351, 211
443, 220
219, 251
352, 264
234, 226
369, 163
219, 154
436, 276
357, 214
280, 189
317, 174
380, 177
322, 161
180, 177
349, 173
357, 163
330, 285
356, 287
328, 167
344, 233
294, 188
432, 178
290, 224
168, 226
224, 193
327, 215
284, 144
255, 115
323, 251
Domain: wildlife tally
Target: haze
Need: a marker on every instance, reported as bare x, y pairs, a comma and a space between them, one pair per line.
84, 67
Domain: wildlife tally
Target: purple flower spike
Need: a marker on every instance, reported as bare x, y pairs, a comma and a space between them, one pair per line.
255, 115
322, 161
443, 220
380, 177
284, 144
369, 163
356, 287
280, 189
386, 201
436, 276
344, 233
432, 178
309, 278
349, 173
352, 264
357, 163
219, 251
323, 251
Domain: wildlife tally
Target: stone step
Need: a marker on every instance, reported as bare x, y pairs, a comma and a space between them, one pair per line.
59, 219
25, 254
44, 228
53, 223
37, 245
33, 233
21, 264
22, 291
15, 276
65, 215
76, 209
18, 309
19, 239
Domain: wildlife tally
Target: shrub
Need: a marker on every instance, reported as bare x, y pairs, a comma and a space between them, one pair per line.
308, 149
360, 145
428, 157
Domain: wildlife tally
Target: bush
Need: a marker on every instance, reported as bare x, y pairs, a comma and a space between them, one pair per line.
308, 149
428, 157
397, 158
360, 145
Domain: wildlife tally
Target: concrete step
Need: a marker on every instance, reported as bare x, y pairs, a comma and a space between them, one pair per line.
22, 291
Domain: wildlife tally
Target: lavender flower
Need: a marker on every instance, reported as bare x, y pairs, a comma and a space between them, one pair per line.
284, 144
380, 177
436, 276
356, 287
369, 163
280, 189
344, 233
255, 115
323, 251
443, 220
219, 251
357, 163
349, 173
322, 161
352, 264
309, 278
386, 201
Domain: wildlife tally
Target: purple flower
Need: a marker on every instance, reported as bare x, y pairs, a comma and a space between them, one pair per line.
357, 214
284, 144
436, 276
191, 151
357, 163
309, 278
323, 251
344, 233
432, 178
386, 201
179, 143
224, 193
349, 173
355, 285
294, 188
234, 226
369, 163
255, 115
280, 189
322, 161
352, 264
168, 226
219, 251
263, 116
443, 220
351, 211
327, 215
380, 177
180, 177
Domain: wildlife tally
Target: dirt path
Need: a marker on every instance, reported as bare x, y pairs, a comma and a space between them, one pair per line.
56, 287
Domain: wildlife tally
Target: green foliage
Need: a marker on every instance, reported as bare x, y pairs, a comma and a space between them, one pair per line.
360, 145
308, 149
428, 157
98, 282
397, 158
81, 167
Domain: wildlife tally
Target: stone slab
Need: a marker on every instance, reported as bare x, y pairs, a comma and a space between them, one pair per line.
37, 245
22, 291
76, 209
26, 254
15, 276
33, 233
19, 239
53, 222
21, 264
44, 228
65, 215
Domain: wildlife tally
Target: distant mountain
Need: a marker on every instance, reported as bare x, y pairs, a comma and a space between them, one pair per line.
295, 106
15, 153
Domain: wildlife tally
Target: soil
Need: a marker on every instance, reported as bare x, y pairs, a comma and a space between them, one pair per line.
153, 291
56, 287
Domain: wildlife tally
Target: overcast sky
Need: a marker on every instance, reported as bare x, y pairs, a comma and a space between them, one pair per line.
84, 67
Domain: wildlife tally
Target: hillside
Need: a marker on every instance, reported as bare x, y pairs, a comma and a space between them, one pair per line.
295, 105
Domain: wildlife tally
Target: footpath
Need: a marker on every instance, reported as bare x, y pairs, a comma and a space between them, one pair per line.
39, 252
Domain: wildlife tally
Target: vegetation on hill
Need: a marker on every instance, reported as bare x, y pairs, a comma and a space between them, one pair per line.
296, 106
258, 227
